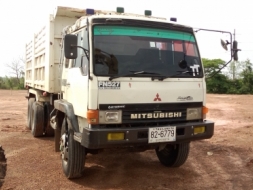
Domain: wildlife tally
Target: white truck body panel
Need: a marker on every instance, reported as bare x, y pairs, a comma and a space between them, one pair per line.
146, 91
76, 91
42, 53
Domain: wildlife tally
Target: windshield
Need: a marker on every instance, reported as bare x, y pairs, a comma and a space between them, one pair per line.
122, 50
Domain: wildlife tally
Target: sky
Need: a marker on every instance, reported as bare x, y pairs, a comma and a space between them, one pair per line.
21, 19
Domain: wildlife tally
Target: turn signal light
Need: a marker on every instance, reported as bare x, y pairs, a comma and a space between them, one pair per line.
204, 110
92, 116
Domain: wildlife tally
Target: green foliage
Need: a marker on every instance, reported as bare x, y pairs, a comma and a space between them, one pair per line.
222, 84
211, 66
219, 83
247, 78
235, 86
234, 69
11, 83
3, 83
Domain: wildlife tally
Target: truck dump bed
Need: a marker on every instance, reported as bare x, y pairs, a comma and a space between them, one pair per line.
43, 51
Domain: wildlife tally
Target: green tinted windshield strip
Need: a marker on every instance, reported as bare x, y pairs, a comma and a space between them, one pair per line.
142, 32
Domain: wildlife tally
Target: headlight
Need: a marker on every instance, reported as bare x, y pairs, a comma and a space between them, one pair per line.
110, 116
193, 113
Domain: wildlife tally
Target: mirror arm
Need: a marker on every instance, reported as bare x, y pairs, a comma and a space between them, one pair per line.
220, 69
220, 31
85, 50
232, 51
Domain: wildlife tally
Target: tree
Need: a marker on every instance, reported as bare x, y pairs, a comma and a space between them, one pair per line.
2, 83
247, 77
9, 83
234, 69
219, 83
238, 79
216, 82
16, 68
212, 66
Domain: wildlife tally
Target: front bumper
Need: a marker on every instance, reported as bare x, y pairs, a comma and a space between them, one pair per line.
97, 138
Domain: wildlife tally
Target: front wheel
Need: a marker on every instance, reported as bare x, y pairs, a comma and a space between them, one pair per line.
72, 153
173, 155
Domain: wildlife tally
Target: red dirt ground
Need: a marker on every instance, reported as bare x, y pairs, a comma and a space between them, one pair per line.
222, 162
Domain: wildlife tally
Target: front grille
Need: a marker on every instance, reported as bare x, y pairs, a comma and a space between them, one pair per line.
139, 113
154, 116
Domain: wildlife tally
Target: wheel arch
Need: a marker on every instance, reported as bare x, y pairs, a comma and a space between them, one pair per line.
67, 108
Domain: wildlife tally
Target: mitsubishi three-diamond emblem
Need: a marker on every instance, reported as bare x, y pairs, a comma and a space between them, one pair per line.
157, 98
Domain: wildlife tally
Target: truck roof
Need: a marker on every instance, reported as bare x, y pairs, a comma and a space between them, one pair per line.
82, 15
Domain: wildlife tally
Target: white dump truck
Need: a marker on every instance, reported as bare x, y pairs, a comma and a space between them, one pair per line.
110, 79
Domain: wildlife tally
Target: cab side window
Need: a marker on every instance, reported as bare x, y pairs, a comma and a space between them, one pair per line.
82, 60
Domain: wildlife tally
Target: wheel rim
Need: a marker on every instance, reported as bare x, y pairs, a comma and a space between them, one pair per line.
168, 150
64, 148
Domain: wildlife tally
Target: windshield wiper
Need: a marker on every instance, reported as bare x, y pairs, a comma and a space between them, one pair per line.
133, 73
181, 72
144, 72
170, 76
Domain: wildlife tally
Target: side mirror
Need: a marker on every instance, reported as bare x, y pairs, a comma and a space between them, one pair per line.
70, 46
224, 44
235, 50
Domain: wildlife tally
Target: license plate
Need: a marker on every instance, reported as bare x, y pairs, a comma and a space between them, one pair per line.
162, 134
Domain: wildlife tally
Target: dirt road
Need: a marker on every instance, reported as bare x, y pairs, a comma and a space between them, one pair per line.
223, 162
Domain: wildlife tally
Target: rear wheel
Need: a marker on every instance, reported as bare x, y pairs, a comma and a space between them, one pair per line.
72, 153
49, 130
37, 120
174, 155
29, 112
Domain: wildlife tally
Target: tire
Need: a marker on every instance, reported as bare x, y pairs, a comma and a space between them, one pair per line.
72, 153
29, 112
3, 166
49, 130
174, 155
37, 128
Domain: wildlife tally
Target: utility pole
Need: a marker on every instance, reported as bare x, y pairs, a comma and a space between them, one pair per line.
233, 63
